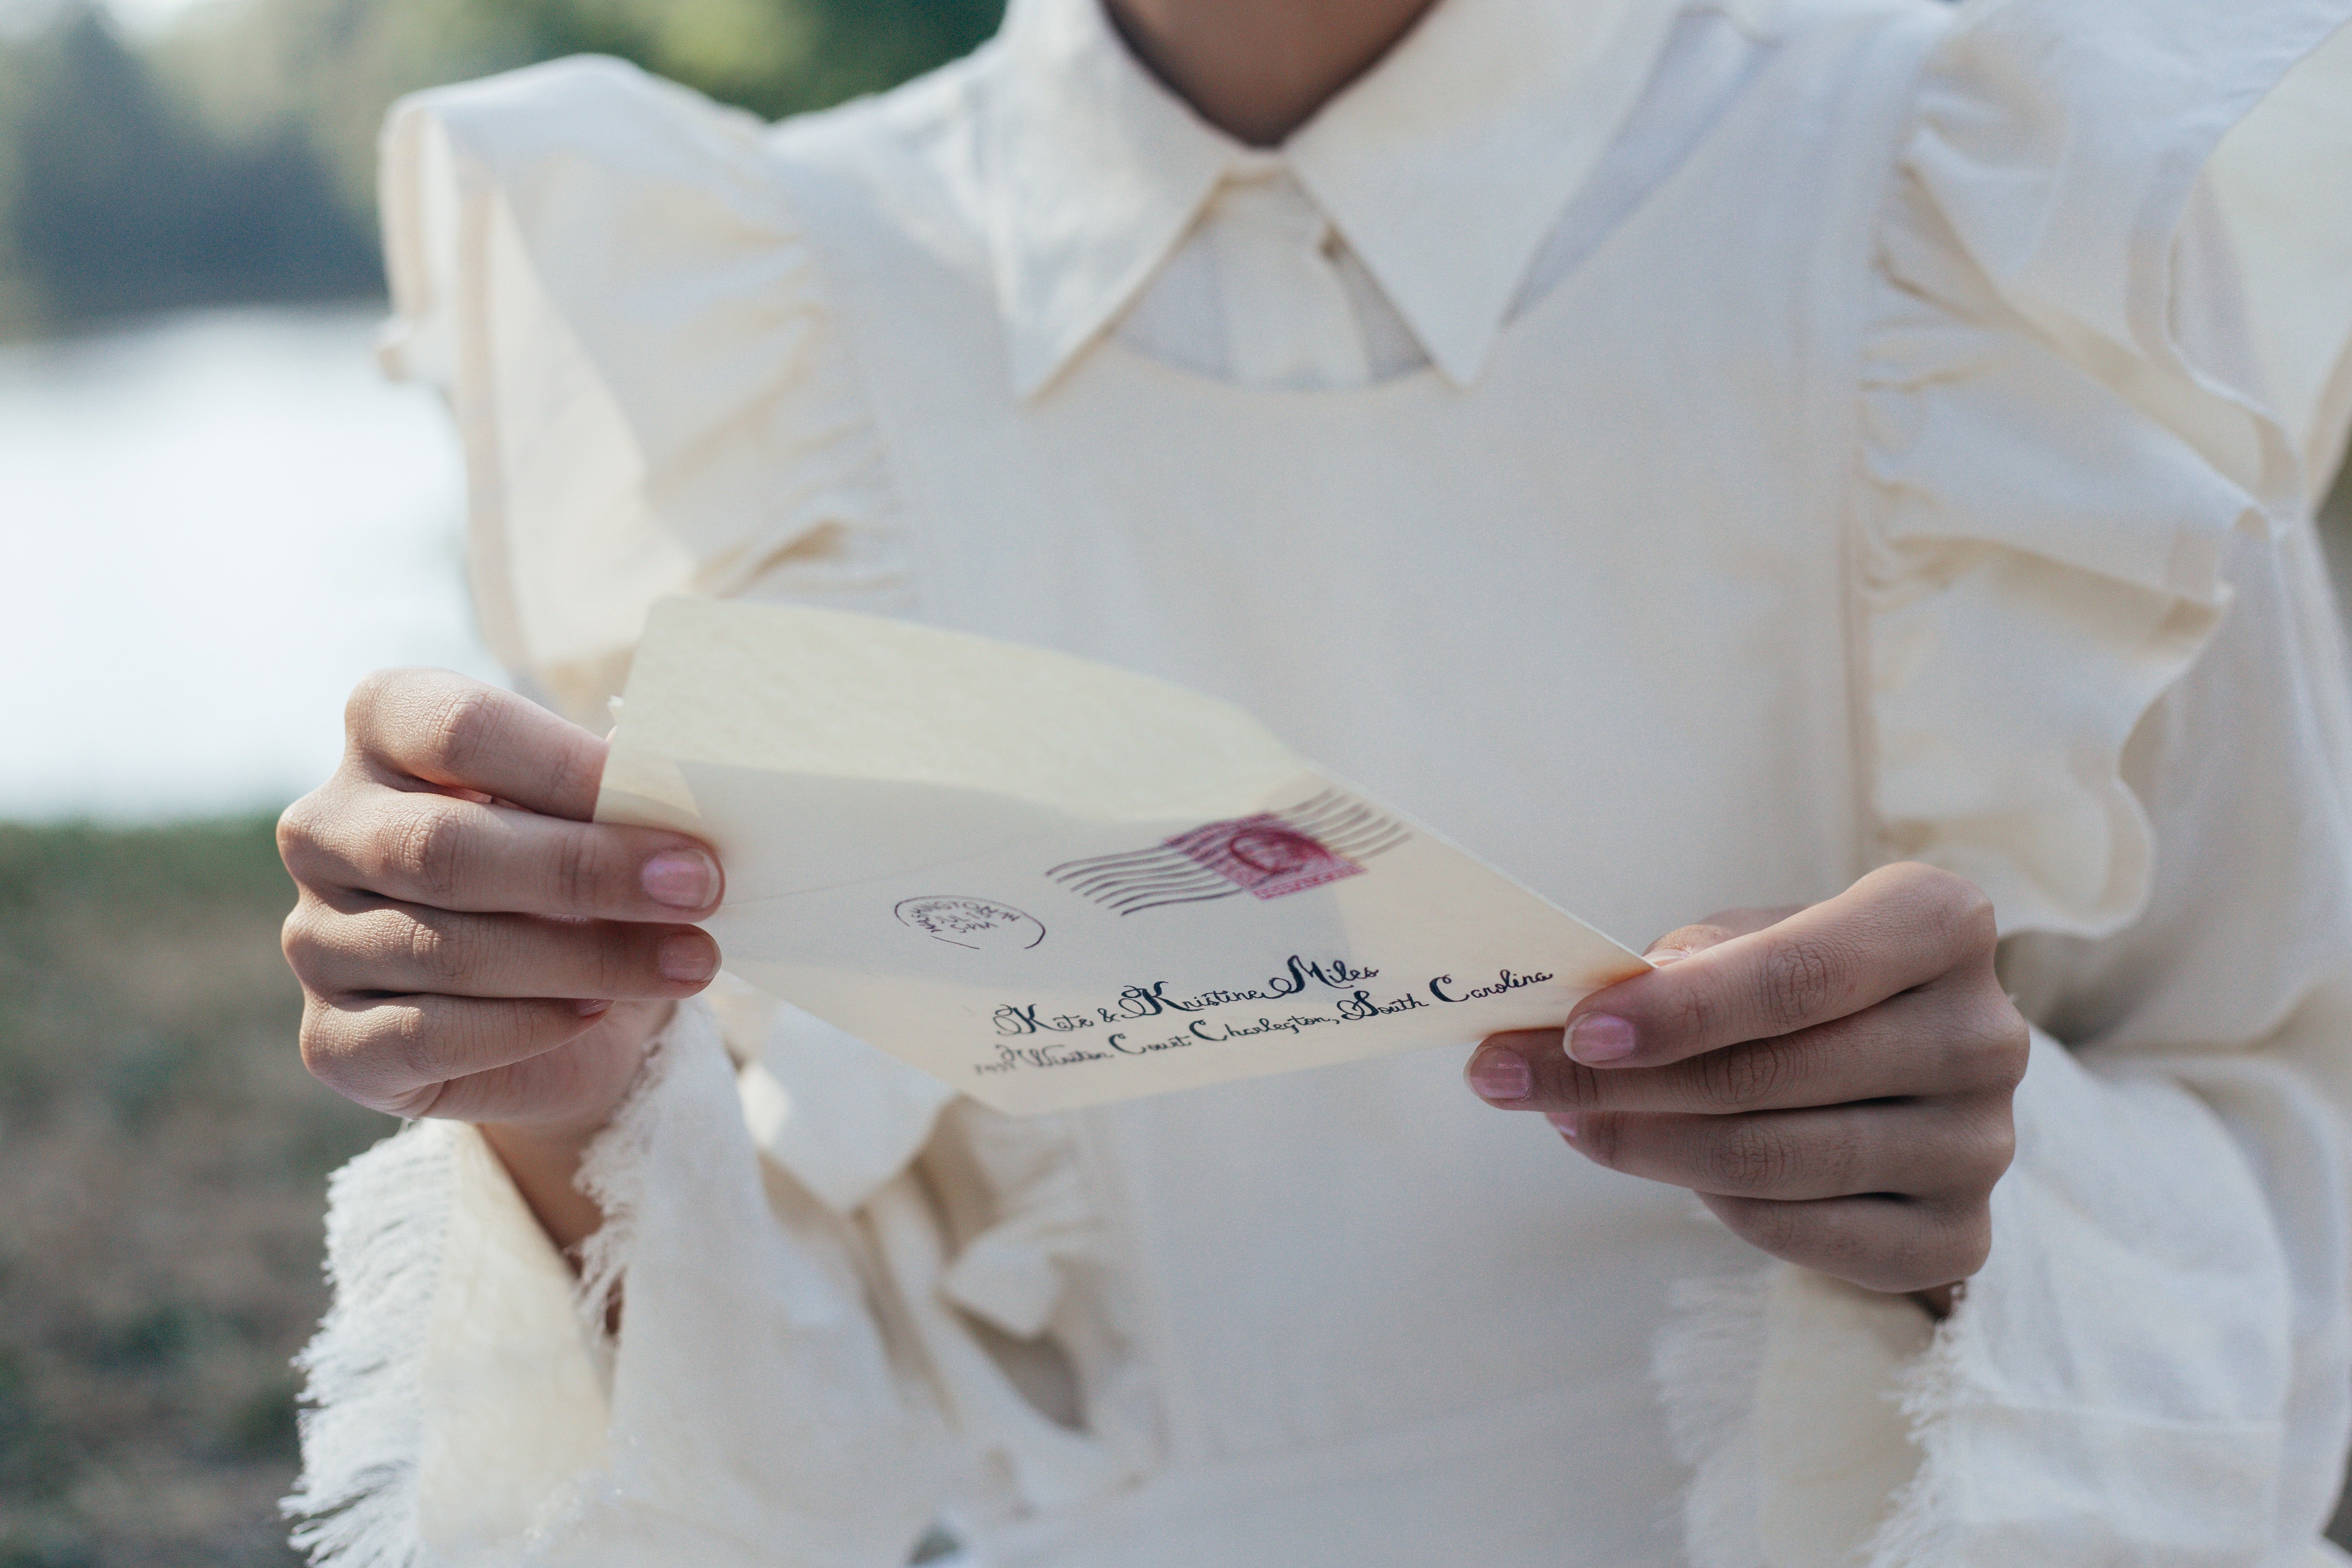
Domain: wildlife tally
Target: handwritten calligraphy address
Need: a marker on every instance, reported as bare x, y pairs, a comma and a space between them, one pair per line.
1029, 1040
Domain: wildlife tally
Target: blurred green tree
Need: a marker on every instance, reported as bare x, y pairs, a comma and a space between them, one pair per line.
119, 198
232, 159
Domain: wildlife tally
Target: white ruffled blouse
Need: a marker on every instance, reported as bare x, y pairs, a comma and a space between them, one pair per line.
1688, 452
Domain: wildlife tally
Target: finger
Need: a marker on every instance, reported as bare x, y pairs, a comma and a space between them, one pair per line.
582, 1078
1899, 927
407, 949
418, 847
392, 1054
1938, 1148
1933, 1041
445, 729
1718, 928
1898, 1246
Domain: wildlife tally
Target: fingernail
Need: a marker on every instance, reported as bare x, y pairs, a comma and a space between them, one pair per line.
588, 1007
1501, 1075
1666, 955
1564, 1123
1600, 1038
682, 879
687, 957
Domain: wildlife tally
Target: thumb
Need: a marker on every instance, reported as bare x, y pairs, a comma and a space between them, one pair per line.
1720, 927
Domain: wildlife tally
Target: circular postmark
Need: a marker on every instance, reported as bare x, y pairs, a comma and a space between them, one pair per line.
981, 924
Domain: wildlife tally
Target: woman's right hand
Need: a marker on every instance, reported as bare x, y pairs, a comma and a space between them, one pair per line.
469, 943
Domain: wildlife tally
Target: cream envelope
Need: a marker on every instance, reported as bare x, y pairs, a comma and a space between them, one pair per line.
1051, 883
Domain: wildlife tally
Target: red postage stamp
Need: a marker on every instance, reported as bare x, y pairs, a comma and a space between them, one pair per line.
1264, 856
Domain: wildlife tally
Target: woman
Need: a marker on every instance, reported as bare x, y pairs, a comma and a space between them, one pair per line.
1846, 463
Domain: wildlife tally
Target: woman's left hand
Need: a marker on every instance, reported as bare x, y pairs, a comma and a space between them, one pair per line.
1833, 1081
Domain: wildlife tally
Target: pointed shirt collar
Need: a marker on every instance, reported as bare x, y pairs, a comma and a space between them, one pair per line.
1444, 167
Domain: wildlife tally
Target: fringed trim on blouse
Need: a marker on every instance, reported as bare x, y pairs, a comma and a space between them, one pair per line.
1704, 1362
364, 1419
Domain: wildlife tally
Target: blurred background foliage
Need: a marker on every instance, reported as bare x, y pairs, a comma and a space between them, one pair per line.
231, 158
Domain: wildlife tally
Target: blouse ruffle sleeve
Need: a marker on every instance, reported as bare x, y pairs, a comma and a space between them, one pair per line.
630, 328
468, 1408
2066, 420
654, 398
2098, 402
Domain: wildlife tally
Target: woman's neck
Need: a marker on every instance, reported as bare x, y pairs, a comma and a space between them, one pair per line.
1258, 69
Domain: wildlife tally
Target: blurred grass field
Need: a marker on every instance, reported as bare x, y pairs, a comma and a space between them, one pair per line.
163, 1156
162, 1162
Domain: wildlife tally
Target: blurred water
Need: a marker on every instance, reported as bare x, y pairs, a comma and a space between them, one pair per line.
213, 524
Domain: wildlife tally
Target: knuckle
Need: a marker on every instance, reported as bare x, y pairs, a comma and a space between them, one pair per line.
316, 1042
580, 870
1741, 1075
303, 939
1971, 1245
298, 828
1797, 978
1694, 1013
1746, 1158
428, 849
574, 773
303, 837
1962, 909
1893, 1269
1602, 1136
1992, 1042
1948, 1061
1970, 910
367, 1057
1956, 1148
414, 1104
1938, 1246
1925, 1248
334, 1051
434, 955
367, 698
1575, 1085
410, 1046
1879, 1245
466, 727
607, 959
1777, 1228
2012, 1049
1976, 1046
1991, 1146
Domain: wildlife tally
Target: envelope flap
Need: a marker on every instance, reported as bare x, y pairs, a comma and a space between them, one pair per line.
826, 694
1046, 883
